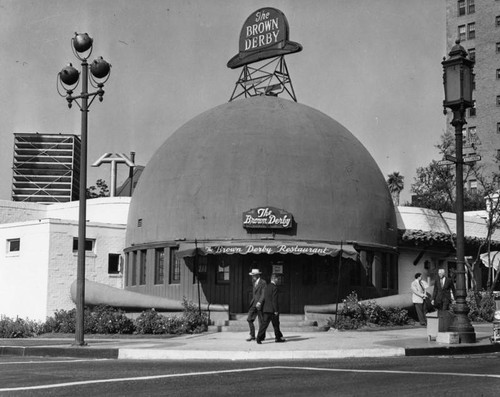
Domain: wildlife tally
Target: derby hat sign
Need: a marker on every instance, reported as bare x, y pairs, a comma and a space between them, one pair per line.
263, 35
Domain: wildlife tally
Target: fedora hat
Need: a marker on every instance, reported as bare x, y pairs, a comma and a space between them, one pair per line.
254, 272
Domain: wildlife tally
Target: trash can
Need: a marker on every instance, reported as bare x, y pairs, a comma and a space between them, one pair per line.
438, 321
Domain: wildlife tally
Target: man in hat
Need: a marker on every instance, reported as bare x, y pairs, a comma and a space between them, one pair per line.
254, 311
270, 311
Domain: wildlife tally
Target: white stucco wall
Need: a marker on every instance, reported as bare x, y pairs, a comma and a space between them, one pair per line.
62, 266
36, 281
24, 274
102, 210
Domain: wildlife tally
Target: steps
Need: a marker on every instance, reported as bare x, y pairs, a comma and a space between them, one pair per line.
288, 323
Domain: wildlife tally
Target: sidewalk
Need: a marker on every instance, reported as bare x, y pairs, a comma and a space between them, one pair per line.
233, 346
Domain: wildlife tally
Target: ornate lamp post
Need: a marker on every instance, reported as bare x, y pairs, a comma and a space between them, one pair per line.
458, 78
69, 78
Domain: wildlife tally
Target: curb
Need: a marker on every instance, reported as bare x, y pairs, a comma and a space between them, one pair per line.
453, 350
241, 355
155, 354
74, 352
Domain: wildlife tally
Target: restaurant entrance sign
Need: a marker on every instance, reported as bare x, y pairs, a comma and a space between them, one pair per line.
267, 218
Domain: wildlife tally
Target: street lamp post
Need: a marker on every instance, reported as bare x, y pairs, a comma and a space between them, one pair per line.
458, 85
69, 78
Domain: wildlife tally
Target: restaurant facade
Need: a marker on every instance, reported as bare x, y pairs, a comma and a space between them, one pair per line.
262, 183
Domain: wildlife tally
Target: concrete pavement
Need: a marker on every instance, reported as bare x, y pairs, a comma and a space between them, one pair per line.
407, 341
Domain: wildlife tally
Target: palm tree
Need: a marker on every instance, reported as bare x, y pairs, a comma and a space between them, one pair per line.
396, 184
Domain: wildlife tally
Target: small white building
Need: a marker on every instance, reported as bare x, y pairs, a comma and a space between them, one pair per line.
39, 260
425, 243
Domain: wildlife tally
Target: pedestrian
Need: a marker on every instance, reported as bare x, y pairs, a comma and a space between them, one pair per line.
418, 297
271, 311
444, 291
255, 309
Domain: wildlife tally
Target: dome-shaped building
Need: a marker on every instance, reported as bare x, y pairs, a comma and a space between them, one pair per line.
262, 183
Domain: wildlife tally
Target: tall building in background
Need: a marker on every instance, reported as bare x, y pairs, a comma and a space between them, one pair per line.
46, 168
477, 25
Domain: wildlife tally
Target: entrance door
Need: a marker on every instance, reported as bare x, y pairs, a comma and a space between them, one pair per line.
268, 264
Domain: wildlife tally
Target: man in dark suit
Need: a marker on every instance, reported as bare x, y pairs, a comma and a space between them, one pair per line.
255, 309
444, 291
271, 312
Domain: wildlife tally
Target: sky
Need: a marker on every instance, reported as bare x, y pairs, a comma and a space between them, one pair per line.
372, 65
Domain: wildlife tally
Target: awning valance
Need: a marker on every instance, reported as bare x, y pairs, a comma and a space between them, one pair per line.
243, 247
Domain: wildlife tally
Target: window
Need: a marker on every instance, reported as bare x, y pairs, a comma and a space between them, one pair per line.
471, 6
461, 33
355, 270
471, 30
498, 74
113, 263
498, 154
134, 268
472, 54
325, 271
159, 265
89, 244
498, 128
461, 7
175, 267
472, 137
472, 110
498, 100
13, 245
497, 20
473, 186
223, 272
126, 271
389, 272
142, 268
200, 265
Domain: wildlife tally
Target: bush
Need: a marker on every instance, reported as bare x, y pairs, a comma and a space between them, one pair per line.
487, 306
481, 305
194, 321
108, 320
18, 328
152, 322
100, 320
354, 315
191, 321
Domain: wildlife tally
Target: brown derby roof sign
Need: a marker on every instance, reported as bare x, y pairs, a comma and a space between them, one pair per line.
267, 218
264, 35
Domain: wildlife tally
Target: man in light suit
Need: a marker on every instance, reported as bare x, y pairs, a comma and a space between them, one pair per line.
255, 309
444, 291
418, 296
270, 311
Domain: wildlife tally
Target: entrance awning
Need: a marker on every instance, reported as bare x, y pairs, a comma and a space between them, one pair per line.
243, 247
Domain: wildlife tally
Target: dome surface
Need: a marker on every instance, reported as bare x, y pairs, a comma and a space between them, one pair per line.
255, 152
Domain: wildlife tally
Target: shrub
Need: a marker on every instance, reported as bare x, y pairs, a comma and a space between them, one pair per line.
375, 314
18, 328
397, 316
354, 315
191, 321
194, 321
108, 320
152, 322
481, 305
487, 306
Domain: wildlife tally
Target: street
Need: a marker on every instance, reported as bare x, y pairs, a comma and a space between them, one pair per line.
476, 375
